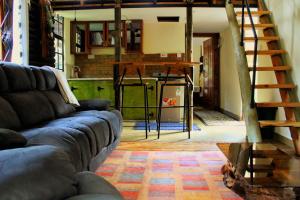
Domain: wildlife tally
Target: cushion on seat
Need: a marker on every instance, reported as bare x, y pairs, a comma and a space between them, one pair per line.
10, 139
90, 183
59, 138
93, 104
8, 116
60, 107
114, 118
35, 173
32, 107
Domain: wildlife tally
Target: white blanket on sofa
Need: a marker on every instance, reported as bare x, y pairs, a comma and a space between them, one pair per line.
64, 87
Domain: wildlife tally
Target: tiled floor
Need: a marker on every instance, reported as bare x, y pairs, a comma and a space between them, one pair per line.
207, 134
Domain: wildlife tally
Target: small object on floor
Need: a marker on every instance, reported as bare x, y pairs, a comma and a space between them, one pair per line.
214, 118
176, 126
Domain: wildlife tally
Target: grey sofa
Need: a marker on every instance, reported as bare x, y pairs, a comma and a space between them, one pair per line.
62, 141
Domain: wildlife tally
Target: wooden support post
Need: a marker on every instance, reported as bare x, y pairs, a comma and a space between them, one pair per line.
250, 114
117, 51
188, 54
189, 32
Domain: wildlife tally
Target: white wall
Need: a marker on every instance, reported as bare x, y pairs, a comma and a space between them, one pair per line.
230, 92
164, 38
69, 58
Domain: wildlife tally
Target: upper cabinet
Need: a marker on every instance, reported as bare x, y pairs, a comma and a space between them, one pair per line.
93, 34
134, 36
79, 37
97, 34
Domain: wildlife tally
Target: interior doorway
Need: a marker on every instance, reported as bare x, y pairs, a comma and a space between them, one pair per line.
207, 75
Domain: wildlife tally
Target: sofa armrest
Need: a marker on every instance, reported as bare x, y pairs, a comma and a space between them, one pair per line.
89, 183
93, 104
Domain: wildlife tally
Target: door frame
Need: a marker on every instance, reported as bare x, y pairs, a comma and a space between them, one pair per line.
215, 104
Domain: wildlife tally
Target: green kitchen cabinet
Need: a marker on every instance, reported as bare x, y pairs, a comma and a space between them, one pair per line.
92, 89
103, 89
134, 97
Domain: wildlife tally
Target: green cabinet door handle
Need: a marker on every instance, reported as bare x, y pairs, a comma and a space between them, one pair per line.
99, 88
73, 88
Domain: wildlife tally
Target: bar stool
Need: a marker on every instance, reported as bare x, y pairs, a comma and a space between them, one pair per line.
182, 72
134, 69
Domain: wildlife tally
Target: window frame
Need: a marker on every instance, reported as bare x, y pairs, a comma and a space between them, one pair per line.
59, 20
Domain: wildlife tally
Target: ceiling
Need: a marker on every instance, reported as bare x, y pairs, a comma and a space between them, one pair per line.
93, 4
205, 20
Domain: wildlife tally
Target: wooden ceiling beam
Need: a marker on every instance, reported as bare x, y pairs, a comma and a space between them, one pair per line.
91, 4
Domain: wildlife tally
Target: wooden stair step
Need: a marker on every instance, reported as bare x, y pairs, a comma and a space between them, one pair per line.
278, 104
267, 39
255, 13
261, 168
275, 86
270, 154
279, 124
266, 52
259, 26
276, 68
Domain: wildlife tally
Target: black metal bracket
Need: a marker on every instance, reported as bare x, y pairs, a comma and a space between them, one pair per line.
99, 88
74, 88
151, 88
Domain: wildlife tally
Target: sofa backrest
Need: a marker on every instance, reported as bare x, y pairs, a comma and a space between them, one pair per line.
28, 96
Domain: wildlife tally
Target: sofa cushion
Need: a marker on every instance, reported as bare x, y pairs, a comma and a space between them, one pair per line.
113, 118
58, 138
32, 107
8, 117
90, 183
96, 197
39, 77
50, 78
35, 173
93, 187
17, 77
59, 105
11, 139
93, 104
101, 128
3, 81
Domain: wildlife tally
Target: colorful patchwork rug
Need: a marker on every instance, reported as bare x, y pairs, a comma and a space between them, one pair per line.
165, 175
170, 126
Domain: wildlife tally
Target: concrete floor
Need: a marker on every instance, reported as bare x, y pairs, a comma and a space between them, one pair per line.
208, 134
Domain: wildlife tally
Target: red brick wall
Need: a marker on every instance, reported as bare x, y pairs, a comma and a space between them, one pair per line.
98, 67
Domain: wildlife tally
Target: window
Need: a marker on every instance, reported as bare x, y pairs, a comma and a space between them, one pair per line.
59, 42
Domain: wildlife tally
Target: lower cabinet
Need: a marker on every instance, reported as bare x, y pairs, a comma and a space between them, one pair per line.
103, 89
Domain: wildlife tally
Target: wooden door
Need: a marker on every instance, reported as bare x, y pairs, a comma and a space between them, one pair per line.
211, 62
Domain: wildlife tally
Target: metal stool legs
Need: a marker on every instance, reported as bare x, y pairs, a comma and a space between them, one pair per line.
159, 110
146, 106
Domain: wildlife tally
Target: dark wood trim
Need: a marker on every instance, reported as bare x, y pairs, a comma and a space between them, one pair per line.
96, 4
189, 33
118, 51
206, 34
